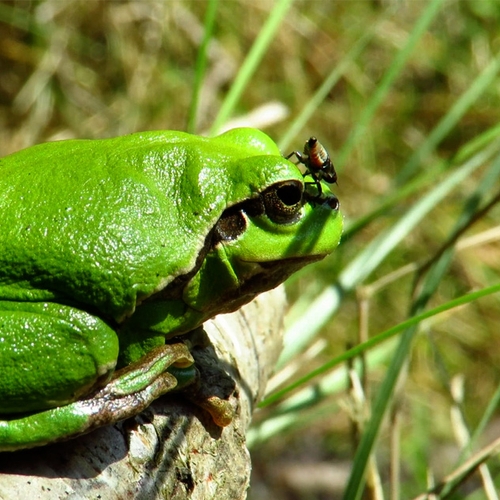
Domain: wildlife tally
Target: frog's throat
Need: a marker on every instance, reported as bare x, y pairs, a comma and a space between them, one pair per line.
264, 277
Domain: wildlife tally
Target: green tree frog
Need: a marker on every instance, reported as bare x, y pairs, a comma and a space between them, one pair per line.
110, 248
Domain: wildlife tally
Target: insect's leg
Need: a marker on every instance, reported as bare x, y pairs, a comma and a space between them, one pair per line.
318, 185
298, 156
316, 182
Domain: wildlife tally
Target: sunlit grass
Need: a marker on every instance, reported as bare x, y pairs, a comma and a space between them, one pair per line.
405, 96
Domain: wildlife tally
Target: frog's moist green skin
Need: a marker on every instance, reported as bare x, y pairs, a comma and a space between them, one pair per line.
110, 247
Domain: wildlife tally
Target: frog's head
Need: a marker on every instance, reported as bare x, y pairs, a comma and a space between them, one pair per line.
262, 239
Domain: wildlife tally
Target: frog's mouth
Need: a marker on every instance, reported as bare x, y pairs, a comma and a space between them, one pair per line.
272, 274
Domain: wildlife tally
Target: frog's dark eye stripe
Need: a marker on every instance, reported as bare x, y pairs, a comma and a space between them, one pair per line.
230, 226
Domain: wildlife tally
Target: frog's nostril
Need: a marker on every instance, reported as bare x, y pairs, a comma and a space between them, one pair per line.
332, 202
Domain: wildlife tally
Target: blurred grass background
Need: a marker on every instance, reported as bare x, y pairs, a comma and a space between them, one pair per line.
409, 97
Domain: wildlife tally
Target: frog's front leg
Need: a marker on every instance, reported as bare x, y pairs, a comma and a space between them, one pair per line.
154, 321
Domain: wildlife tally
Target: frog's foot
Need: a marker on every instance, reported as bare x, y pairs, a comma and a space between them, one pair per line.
221, 410
213, 387
154, 365
171, 367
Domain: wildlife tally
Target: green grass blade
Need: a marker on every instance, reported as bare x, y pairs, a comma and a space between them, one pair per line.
310, 107
426, 178
430, 284
488, 415
251, 63
356, 481
379, 338
481, 83
201, 64
285, 415
391, 74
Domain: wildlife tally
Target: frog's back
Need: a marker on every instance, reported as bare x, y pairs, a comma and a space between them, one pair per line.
108, 223
94, 224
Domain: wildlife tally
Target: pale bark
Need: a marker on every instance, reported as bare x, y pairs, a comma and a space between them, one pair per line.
173, 449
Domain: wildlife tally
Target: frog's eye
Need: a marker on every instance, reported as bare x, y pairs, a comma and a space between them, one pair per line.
283, 201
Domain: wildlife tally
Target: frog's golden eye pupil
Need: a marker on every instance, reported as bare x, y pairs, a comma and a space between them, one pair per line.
289, 194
